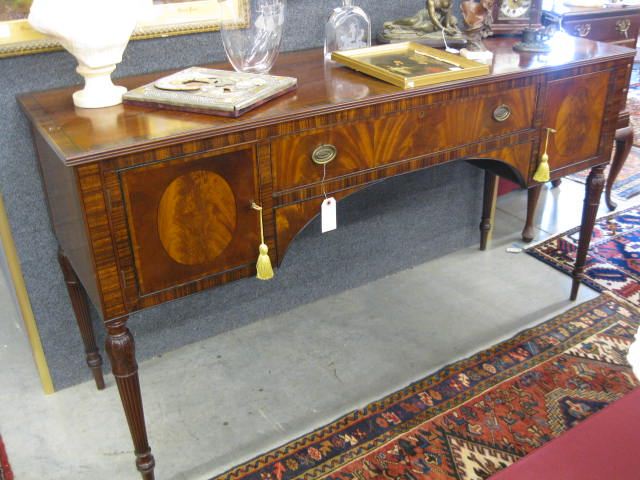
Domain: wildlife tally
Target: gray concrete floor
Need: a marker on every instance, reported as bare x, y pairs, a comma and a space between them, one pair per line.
223, 400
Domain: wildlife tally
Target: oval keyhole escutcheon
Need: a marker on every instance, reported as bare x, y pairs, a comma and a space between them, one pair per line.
324, 154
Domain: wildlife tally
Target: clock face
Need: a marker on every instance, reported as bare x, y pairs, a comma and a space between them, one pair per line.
514, 8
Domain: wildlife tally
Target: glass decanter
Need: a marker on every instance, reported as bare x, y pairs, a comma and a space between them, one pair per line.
348, 27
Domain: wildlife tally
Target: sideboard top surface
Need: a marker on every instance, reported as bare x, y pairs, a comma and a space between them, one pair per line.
84, 135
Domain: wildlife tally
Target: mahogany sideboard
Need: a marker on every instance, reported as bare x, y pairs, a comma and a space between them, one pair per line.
150, 205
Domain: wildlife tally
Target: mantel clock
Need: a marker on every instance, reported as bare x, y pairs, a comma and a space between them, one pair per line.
512, 16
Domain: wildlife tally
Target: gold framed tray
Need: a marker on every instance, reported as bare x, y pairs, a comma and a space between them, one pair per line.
410, 64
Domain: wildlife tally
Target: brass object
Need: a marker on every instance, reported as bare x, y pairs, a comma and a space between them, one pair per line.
410, 64
264, 270
622, 26
543, 172
324, 154
428, 26
583, 29
502, 113
534, 40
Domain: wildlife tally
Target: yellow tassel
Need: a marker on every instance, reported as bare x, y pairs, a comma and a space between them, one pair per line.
543, 173
265, 271
263, 265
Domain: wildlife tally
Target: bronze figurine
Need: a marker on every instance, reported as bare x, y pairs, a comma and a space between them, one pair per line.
477, 17
427, 26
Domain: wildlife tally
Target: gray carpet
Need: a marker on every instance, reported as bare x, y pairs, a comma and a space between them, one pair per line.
388, 227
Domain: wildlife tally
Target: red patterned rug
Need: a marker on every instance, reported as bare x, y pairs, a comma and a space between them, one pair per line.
5, 468
477, 416
613, 262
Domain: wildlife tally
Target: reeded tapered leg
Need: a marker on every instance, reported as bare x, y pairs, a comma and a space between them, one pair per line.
533, 195
593, 190
81, 309
624, 141
488, 207
122, 353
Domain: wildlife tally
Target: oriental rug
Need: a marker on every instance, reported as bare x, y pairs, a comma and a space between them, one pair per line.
613, 261
5, 468
476, 416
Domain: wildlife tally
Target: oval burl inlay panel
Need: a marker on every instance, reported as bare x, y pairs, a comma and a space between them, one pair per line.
196, 217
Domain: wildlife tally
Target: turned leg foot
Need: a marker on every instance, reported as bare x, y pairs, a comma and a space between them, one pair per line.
624, 141
121, 350
81, 309
488, 207
533, 195
593, 190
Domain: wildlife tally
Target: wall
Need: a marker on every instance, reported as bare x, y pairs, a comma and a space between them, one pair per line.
417, 217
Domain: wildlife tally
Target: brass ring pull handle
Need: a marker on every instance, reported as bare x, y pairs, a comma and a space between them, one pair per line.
622, 26
502, 113
583, 29
324, 154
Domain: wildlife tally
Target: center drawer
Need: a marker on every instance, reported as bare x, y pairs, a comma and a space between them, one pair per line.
422, 131
451, 124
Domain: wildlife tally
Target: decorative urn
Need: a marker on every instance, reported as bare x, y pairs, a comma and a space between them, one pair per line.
96, 33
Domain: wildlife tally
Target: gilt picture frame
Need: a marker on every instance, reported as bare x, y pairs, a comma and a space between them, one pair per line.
410, 64
161, 18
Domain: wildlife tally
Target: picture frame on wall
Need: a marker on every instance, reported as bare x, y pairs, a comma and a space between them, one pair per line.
160, 18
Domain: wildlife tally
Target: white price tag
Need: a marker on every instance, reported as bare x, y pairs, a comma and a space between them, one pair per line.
328, 215
5, 31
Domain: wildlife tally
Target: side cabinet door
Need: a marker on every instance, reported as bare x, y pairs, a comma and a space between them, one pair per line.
189, 219
575, 108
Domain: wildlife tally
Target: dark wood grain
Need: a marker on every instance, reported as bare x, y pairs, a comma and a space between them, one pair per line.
575, 108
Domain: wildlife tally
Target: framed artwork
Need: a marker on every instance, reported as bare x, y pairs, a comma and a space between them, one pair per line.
410, 64
161, 18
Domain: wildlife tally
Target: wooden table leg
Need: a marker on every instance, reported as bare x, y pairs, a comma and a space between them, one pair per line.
488, 207
81, 309
533, 195
624, 141
593, 190
121, 350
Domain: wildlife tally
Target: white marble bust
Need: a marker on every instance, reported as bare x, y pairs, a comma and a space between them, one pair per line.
96, 32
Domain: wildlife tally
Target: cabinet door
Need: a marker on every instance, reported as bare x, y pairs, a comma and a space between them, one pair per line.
575, 108
191, 218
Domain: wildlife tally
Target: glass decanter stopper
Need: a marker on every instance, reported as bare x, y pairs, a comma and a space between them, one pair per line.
348, 28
